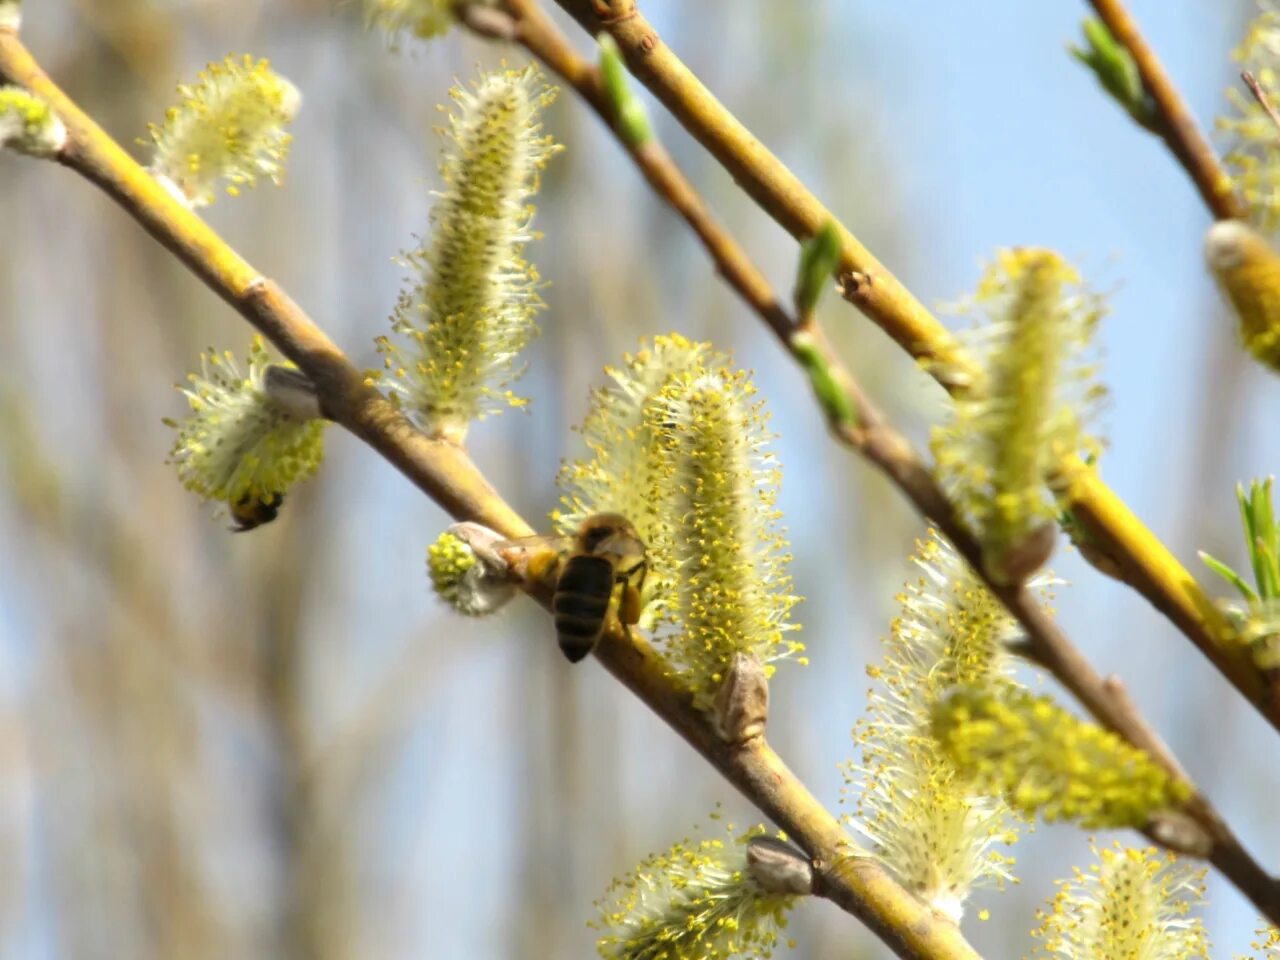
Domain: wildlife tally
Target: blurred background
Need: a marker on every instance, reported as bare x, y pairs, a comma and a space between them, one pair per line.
280, 744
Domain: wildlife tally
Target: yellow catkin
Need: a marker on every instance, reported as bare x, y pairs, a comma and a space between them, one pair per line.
28, 124
695, 901
236, 443
1132, 903
679, 445
939, 835
1248, 270
1046, 761
229, 126
470, 308
1253, 152
1028, 408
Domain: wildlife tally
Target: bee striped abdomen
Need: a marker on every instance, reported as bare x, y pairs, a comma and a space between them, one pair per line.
251, 511
581, 603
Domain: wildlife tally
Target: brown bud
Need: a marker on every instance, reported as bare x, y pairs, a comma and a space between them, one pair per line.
1014, 563
779, 867
742, 702
1180, 833
292, 391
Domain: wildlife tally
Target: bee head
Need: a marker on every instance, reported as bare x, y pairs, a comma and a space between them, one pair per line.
599, 528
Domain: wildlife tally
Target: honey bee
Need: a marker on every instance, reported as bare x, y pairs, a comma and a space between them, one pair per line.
604, 555
251, 511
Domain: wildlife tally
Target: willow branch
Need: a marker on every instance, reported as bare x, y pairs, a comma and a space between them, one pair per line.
439, 468
763, 176
534, 30
1151, 568
1049, 646
446, 473
1174, 121
868, 432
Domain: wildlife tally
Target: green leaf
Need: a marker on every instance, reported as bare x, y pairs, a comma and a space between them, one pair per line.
1229, 575
1117, 72
835, 400
1261, 536
629, 113
819, 256
1268, 534
1246, 513
1265, 562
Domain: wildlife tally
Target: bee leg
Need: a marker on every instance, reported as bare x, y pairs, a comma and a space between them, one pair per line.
629, 604
542, 566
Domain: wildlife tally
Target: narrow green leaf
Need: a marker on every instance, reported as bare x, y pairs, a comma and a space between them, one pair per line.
1269, 577
629, 113
1264, 513
1229, 575
1260, 528
1270, 535
1116, 71
1246, 513
819, 256
835, 400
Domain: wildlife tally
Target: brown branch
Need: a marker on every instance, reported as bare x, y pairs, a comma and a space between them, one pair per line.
764, 177
1149, 565
871, 435
441, 469
445, 472
1176, 125
1048, 646
537, 34
856, 883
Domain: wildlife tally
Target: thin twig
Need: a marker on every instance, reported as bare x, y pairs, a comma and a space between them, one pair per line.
1176, 124
1150, 567
765, 178
446, 473
1260, 94
534, 30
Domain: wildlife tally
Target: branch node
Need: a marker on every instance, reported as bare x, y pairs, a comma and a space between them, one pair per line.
1016, 562
611, 12
292, 391
856, 286
1026, 648
483, 542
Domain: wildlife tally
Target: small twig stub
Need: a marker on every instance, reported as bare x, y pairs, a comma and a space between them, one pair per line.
1260, 94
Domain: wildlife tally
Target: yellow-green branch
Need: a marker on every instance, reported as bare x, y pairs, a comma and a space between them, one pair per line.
1155, 572
764, 177
442, 470
445, 472
866, 430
